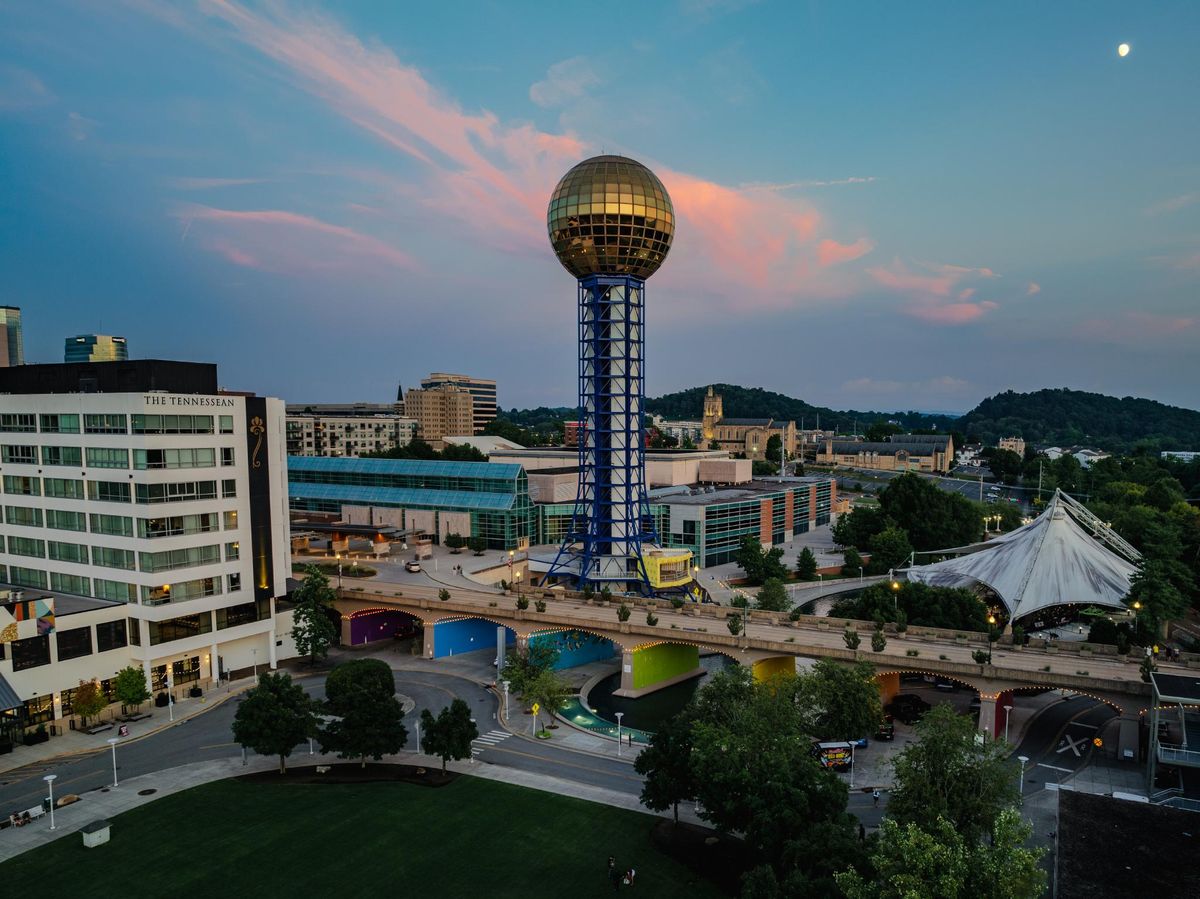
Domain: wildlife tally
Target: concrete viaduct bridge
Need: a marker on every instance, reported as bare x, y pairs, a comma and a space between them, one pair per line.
656, 656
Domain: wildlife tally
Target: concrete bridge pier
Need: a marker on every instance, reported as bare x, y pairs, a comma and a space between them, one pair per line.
645, 669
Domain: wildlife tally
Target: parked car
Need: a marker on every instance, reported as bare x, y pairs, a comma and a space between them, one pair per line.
887, 731
414, 567
907, 707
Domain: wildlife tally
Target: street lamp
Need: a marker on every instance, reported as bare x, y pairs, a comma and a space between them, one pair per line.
517, 581
49, 779
1137, 607
505, 699
339, 561
170, 692
255, 656
860, 574
1007, 714
1023, 759
112, 741
852, 765
620, 715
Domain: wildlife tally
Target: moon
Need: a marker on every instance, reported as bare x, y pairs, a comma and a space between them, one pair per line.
1123, 50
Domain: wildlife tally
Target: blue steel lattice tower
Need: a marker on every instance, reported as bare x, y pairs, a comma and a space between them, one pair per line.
611, 223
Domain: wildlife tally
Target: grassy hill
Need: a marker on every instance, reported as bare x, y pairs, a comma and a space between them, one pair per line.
1061, 416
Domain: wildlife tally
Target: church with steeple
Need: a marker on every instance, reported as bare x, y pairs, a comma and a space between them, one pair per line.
746, 436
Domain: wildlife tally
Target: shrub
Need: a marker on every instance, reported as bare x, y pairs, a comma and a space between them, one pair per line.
623, 612
522, 602
850, 638
734, 623
912, 653
676, 602
981, 656
443, 594
651, 619
944, 658
540, 605
878, 640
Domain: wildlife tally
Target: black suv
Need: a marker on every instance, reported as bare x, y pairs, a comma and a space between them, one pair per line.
908, 707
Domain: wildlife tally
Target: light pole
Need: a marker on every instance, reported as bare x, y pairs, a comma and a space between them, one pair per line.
510, 564
310, 745
112, 741
170, 692
1007, 714
620, 715
1023, 759
851, 766
255, 656
339, 561
517, 575
860, 574
49, 779
418, 749
1137, 607
505, 699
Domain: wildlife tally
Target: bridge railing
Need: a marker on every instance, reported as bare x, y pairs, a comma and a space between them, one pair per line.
1175, 754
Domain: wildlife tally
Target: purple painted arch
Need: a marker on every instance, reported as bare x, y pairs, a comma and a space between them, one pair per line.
369, 625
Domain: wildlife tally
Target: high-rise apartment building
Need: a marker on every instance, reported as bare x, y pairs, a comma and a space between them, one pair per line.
145, 518
12, 347
440, 412
483, 395
346, 431
95, 348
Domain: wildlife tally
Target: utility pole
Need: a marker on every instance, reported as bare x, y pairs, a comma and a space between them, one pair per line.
1039, 479
981, 486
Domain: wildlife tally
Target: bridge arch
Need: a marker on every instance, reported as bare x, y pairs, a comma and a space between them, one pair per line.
378, 623
577, 645
452, 635
730, 654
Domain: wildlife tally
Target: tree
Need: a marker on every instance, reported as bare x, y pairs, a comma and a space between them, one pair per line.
850, 638
852, 563
524, 664
623, 612
313, 630
455, 542
449, 735
806, 565
939, 863
947, 774
666, 765
734, 623
889, 549
367, 716
774, 448
547, 689
1160, 600
88, 700
759, 563
773, 597
1005, 465
477, 545
275, 716
129, 685
878, 638
881, 431
932, 517
948, 607
838, 701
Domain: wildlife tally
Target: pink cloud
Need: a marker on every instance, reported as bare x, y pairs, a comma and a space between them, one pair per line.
1033, 289
966, 293
277, 240
936, 290
494, 178
951, 313
830, 252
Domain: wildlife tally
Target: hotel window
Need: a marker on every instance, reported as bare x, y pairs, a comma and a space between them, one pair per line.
68, 552
71, 583
22, 486
40, 709
115, 591
64, 488
177, 492
226, 424
108, 557
18, 421
108, 491
107, 457
230, 520
110, 635
27, 546
232, 551
194, 589
180, 628
112, 525
74, 644
27, 577
246, 613
204, 457
60, 424
228, 488
227, 455
233, 583
23, 515
104, 424
62, 455
175, 525
172, 424
19, 455
189, 557
185, 671
30, 652
134, 631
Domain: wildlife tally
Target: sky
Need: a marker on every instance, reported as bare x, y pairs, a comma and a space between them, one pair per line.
879, 205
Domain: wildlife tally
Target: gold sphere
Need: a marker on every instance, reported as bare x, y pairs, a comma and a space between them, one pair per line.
610, 215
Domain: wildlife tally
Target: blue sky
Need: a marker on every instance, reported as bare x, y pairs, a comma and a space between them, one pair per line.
880, 205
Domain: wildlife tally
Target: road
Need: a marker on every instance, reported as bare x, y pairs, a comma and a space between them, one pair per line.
1058, 742
209, 736
874, 481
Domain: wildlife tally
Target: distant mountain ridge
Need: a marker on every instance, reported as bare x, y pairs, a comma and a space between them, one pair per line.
1053, 416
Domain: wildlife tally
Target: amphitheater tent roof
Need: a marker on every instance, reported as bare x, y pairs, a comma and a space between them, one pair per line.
1051, 561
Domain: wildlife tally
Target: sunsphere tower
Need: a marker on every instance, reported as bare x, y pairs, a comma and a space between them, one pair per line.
611, 222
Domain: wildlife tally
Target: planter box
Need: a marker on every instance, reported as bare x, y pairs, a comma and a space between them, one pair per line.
34, 738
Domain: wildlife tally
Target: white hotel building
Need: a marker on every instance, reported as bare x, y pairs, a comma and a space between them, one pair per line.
151, 510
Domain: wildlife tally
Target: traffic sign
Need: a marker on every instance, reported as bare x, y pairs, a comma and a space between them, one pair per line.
536, 707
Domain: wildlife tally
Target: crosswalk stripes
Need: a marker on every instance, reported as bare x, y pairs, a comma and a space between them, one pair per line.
491, 738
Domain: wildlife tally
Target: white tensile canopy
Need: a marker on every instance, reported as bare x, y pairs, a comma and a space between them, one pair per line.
1054, 560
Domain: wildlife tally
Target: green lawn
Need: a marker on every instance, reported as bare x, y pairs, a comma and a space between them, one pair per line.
470, 838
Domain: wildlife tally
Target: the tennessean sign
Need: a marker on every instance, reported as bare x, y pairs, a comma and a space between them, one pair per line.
179, 402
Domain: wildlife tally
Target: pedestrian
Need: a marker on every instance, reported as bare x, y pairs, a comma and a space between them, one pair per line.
875, 796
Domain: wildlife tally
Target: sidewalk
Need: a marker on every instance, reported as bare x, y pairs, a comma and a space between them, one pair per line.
78, 742
107, 803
